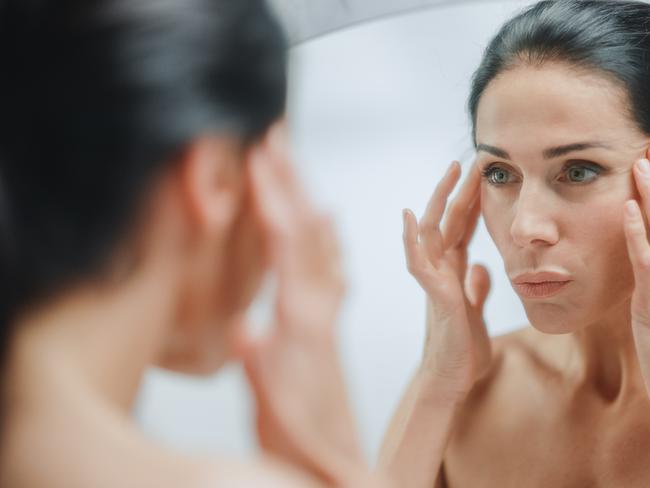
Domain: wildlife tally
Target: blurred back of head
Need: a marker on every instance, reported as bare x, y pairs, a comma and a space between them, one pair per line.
99, 96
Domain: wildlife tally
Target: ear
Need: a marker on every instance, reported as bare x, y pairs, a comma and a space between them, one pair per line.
211, 182
647, 153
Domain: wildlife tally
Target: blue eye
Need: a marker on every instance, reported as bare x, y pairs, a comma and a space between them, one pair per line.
495, 175
579, 174
576, 173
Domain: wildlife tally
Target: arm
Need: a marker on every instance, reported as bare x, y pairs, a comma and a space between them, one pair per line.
457, 348
415, 443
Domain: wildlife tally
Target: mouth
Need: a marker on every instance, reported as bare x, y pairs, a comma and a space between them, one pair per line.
543, 289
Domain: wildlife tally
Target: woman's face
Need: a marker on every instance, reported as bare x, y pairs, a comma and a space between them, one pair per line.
556, 148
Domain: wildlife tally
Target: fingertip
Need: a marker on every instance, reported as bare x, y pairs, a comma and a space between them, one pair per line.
408, 223
411, 219
643, 167
451, 169
455, 169
632, 209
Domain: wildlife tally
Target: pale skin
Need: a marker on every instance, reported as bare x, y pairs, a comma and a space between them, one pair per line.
564, 401
214, 224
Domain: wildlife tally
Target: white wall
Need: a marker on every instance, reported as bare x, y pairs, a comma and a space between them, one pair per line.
377, 114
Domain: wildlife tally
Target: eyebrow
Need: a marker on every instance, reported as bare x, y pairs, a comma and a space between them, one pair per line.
550, 153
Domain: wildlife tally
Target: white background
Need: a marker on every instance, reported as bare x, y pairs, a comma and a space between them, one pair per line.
377, 114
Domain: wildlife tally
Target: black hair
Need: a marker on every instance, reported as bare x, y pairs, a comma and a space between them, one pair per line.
96, 98
608, 37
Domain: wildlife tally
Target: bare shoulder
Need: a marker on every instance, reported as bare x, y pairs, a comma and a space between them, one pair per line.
521, 359
530, 351
527, 365
121, 457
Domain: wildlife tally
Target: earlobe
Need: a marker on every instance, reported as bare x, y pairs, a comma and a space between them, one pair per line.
211, 183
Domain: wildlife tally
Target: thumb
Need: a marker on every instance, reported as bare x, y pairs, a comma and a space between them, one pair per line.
251, 361
247, 349
478, 286
243, 343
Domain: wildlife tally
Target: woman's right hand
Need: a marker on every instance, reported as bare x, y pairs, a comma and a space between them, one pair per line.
457, 347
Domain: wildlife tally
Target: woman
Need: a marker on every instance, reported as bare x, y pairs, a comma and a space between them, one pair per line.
561, 120
144, 196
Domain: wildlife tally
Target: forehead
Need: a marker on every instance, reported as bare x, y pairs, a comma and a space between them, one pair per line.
553, 104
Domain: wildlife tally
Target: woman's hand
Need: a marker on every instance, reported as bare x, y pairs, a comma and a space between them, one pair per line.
639, 252
303, 414
457, 347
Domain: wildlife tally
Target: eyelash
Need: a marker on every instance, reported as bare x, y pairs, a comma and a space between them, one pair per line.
488, 171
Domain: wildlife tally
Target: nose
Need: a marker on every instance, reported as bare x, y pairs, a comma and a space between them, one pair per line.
533, 223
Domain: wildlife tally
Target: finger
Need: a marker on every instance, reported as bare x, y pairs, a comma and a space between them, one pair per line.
242, 343
642, 179
478, 286
276, 213
415, 258
270, 203
639, 253
318, 257
638, 247
430, 224
472, 223
253, 369
278, 144
289, 200
328, 238
460, 210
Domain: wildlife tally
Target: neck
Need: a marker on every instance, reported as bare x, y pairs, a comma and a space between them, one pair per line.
97, 341
608, 356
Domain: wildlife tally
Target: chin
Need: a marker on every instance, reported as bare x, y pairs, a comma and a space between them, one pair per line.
208, 368
193, 367
551, 319
196, 359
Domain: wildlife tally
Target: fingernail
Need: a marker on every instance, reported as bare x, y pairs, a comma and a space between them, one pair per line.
632, 209
644, 167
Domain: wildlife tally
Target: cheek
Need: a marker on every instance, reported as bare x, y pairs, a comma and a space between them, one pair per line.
604, 250
592, 232
496, 211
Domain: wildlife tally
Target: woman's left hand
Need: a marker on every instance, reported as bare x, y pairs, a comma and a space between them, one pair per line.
636, 216
303, 412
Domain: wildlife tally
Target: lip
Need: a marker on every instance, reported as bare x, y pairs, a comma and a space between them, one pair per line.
545, 289
540, 277
540, 284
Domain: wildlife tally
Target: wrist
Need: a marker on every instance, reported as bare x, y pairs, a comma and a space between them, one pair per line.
441, 389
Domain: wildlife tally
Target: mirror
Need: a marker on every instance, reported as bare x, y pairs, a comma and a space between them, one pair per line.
377, 113
304, 20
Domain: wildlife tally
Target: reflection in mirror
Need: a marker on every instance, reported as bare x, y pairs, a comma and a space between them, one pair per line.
377, 113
